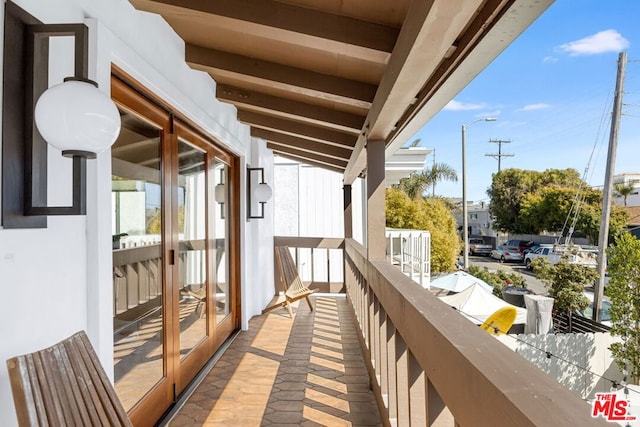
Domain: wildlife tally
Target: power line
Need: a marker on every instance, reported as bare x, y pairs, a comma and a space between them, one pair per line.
499, 155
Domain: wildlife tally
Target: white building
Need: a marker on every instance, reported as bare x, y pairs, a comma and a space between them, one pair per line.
480, 221
628, 178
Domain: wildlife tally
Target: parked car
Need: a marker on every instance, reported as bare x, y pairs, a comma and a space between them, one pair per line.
533, 253
477, 246
520, 244
531, 249
506, 253
553, 254
605, 317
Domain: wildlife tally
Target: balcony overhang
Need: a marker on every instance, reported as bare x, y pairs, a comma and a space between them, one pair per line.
317, 79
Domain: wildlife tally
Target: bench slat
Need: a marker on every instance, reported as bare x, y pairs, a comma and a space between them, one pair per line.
64, 385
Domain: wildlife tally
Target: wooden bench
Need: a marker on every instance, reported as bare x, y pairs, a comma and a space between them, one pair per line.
64, 385
295, 289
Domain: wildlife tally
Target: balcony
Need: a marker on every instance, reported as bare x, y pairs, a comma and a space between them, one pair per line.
426, 364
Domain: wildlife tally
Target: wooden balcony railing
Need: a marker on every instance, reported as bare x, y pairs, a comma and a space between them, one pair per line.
429, 366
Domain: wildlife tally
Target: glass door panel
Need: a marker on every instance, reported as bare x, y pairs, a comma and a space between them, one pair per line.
138, 315
192, 256
223, 290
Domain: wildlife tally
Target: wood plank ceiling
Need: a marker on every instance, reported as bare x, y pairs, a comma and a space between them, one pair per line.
317, 78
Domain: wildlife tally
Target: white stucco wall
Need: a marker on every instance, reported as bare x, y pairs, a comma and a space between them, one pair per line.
257, 244
58, 280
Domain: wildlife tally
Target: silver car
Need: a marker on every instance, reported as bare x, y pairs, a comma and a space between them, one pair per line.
507, 253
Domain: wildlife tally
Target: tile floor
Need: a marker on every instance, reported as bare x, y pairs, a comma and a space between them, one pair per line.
306, 371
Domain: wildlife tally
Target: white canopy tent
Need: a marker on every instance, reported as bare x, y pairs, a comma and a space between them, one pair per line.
476, 303
459, 281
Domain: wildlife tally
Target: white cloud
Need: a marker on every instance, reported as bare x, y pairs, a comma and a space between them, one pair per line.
510, 124
532, 107
494, 113
454, 105
602, 42
549, 59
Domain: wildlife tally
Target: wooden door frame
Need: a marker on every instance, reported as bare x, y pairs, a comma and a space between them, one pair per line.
127, 91
162, 392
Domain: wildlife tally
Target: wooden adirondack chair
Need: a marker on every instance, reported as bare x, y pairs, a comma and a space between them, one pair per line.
64, 385
295, 289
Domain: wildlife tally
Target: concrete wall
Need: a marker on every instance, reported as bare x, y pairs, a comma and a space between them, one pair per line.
58, 280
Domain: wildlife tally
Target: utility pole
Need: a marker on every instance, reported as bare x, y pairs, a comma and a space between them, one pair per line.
499, 155
603, 236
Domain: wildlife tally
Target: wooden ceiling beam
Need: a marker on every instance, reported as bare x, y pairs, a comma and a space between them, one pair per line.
347, 122
301, 144
310, 163
302, 23
309, 158
294, 128
346, 91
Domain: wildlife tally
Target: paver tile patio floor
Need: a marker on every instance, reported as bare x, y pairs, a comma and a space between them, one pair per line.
305, 371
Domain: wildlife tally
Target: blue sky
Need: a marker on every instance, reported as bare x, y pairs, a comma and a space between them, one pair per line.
552, 93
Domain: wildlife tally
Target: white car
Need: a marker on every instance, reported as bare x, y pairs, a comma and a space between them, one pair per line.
553, 254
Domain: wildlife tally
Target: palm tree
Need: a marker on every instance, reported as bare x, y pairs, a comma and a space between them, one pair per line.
624, 190
415, 184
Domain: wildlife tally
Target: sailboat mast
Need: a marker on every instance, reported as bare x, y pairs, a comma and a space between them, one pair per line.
603, 237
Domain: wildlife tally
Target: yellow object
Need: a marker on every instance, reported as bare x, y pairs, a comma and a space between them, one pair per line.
500, 321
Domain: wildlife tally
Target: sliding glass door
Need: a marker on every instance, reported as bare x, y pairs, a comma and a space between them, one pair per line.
173, 256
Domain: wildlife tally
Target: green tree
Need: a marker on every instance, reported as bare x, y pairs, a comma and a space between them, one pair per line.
620, 189
401, 211
415, 184
624, 293
445, 243
530, 202
432, 215
565, 283
508, 189
590, 218
548, 208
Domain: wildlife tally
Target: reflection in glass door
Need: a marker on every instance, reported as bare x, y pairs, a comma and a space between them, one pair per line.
192, 258
138, 316
223, 290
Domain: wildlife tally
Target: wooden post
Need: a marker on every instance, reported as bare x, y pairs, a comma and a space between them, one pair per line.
376, 219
